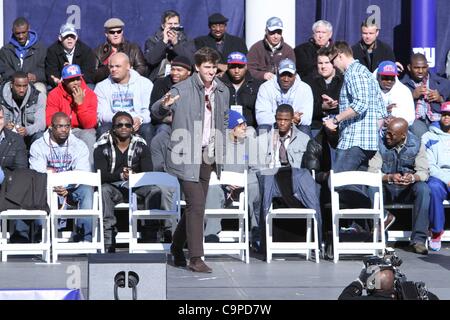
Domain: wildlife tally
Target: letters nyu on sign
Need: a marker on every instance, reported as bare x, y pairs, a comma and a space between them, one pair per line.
429, 53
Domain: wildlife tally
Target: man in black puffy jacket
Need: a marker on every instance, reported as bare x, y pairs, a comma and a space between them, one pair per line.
13, 152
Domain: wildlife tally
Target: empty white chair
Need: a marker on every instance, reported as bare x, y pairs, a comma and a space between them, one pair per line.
60, 243
375, 213
238, 210
42, 248
145, 179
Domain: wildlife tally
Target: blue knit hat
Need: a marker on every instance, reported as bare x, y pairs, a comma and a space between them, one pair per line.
235, 119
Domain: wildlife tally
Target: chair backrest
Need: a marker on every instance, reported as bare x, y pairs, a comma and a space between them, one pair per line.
365, 178
159, 179
235, 179
74, 177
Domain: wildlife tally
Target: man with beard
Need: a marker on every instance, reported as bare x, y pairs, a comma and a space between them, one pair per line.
73, 97
218, 39
24, 107
243, 87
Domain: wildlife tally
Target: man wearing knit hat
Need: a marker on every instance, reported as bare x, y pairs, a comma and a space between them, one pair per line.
220, 40
116, 42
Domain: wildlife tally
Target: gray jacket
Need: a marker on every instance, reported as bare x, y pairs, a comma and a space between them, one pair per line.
184, 153
295, 150
31, 114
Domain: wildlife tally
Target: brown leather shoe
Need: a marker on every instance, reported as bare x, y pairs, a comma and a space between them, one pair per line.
419, 248
197, 265
179, 260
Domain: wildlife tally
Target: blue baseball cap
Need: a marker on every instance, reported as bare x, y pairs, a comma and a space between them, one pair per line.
387, 68
237, 58
286, 65
274, 23
235, 119
71, 71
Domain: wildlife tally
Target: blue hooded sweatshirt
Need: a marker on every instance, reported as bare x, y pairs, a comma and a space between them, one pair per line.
21, 51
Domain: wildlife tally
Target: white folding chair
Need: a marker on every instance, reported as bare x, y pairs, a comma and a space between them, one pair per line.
42, 248
145, 179
60, 243
238, 210
375, 213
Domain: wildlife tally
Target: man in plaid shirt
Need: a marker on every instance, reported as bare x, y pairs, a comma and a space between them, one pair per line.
361, 110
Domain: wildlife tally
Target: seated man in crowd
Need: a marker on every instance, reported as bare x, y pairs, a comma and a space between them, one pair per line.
180, 69
243, 87
306, 53
238, 148
286, 88
58, 151
285, 156
124, 90
69, 49
73, 97
428, 90
26, 53
24, 107
437, 144
116, 42
118, 153
219, 40
403, 161
265, 55
166, 44
396, 95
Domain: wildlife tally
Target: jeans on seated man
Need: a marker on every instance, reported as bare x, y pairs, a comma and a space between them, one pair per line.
403, 162
285, 156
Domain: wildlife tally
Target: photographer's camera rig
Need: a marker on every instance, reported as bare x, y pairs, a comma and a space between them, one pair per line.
404, 289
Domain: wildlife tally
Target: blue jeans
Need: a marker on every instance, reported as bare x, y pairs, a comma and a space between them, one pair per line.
418, 194
439, 192
352, 159
83, 196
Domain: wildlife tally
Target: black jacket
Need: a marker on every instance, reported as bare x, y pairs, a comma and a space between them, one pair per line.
231, 44
245, 96
24, 189
13, 152
319, 87
141, 161
160, 88
380, 52
56, 58
306, 58
132, 50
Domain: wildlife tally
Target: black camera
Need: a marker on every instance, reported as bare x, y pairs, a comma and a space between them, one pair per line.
404, 289
179, 28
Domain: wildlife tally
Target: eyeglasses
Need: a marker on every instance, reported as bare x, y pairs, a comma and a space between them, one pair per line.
121, 125
115, 31
387, 78
332, 60
60, 126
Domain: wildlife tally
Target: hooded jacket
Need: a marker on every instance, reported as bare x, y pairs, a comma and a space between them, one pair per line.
437, 145
33, 55
402, 97
133, 97
83, 116
270, 96
31, 114
73, 154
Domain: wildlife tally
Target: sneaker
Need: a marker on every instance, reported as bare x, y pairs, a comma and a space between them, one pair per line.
388, 220
435, 242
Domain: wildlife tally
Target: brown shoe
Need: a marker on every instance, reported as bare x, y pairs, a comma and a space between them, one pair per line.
179, 260
419, 248
388, 221
197, 265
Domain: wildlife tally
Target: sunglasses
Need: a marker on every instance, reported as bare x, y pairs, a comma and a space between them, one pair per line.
115, 31
121, 125
332, 60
